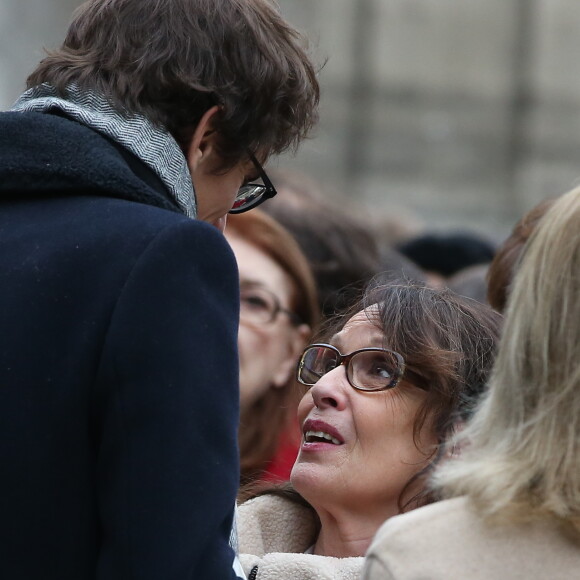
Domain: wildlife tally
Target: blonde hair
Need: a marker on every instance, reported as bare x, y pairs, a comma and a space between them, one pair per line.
521, 452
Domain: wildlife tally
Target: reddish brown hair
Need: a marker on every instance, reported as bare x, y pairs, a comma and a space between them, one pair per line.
269, 417
503, 266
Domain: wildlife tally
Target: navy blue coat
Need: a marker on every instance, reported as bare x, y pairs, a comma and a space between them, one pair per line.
118, 367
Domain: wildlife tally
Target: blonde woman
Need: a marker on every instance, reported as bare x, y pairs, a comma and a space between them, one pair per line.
515, 507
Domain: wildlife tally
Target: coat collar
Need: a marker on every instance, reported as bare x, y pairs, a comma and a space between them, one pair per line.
50, 154
152, 145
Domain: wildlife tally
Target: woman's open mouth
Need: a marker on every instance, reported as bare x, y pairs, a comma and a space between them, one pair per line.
315, 431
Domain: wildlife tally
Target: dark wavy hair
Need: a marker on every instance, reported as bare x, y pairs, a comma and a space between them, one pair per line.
171, 60
449, 344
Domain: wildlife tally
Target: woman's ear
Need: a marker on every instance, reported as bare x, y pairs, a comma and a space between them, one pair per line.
298, 339
202, 142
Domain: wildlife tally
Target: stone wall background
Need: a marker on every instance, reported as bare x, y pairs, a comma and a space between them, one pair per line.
454, 114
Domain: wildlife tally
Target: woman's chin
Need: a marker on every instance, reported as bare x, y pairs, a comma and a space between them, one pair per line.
311, 480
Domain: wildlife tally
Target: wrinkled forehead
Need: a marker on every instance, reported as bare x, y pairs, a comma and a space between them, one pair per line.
364, 327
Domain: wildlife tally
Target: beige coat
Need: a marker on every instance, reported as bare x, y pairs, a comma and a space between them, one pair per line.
447, 541
274, 533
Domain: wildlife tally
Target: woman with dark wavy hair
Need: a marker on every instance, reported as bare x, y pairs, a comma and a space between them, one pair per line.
388, 383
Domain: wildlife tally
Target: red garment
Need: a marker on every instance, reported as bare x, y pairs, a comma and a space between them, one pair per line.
281, 464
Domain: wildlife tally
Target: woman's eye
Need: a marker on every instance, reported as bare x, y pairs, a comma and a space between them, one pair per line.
379, 368
254, 301
382, 371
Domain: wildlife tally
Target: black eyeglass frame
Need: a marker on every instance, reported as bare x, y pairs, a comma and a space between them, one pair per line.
344, 360
268, 187
294, 318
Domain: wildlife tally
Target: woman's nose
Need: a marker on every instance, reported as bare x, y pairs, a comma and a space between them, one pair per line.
330, 390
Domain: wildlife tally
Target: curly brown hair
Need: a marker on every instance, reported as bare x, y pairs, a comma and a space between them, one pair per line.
449, 344
172, 60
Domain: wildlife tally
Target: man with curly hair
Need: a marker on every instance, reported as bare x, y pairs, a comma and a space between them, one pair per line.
118, 361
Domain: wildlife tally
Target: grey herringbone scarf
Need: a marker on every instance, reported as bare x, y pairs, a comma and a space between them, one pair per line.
154, 146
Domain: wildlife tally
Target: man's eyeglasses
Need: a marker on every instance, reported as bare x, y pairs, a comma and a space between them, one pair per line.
367, 369
260, 306
251, 195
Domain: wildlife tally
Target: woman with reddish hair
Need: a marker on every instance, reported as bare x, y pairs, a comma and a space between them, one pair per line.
278, 312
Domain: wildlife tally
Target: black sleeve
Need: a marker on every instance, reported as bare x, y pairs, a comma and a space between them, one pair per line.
167, 413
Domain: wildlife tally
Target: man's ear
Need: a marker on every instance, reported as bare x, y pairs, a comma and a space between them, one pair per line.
203, 139
296, 343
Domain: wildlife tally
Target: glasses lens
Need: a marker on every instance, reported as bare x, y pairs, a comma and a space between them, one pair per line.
257, 305
315, 363
248, 196
373, 370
